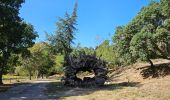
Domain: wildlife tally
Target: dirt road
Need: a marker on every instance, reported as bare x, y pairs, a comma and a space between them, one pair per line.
30, 91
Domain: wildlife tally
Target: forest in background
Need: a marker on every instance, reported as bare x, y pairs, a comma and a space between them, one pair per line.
145, 37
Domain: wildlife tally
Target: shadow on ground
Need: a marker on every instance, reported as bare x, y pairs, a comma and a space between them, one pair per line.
5, 87
21, 91
159, 70
57, 91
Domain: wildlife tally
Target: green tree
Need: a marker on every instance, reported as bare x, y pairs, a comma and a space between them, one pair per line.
12, 63
141, 45
64, 35
28, 66
105, 51
121, 44
165, 8
40, 61
146, 36
58, 67
16, 36
82, 50
88, 51
153, 39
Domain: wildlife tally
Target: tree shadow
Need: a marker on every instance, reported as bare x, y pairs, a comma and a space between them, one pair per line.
8, 91
57, 91
5, 87
159, 70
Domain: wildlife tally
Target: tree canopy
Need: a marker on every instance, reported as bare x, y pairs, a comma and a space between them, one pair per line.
16, 35
146, 36
40, 60
64, 36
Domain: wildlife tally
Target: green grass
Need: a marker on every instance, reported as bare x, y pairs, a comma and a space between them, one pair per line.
7, 77
11, 79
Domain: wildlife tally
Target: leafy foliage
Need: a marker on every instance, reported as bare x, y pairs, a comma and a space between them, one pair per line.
77, 51
146, 36
59, 63
64, 35
16, 35
40, 60
105, 51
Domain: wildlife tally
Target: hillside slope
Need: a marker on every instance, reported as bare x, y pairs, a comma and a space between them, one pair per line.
142, 83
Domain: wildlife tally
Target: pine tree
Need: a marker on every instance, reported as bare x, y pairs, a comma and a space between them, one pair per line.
64, 36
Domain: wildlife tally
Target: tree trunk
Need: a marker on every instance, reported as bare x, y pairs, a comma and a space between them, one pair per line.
3, 65
42, 76
30, 76
1, 82
2, 69
37, 75
151, 63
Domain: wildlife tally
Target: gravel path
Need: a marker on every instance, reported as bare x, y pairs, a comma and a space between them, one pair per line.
31, 91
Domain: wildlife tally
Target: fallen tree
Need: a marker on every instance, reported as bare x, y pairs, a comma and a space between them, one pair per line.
85, 63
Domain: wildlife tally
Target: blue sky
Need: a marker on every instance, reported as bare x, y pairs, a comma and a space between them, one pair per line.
97, 19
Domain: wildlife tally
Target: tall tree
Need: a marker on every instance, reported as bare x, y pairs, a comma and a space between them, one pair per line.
16, 36
147, 35
153, 38
141, 45
121, 43
64, 35
165, 9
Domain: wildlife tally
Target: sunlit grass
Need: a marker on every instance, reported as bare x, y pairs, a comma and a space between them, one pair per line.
5, 77
10, 79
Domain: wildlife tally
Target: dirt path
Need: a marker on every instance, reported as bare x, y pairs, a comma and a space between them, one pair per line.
31, 91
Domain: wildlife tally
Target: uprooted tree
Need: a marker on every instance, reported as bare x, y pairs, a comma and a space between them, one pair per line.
85, 63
